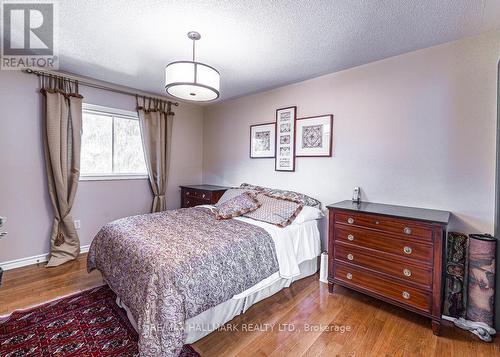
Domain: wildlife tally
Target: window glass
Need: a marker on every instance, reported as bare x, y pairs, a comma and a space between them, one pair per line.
111, 144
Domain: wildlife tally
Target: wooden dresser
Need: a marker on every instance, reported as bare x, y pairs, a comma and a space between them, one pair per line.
195, 195
393, 253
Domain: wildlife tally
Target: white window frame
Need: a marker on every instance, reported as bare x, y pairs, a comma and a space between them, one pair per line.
121, 113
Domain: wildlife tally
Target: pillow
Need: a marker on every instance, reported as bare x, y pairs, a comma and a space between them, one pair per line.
236, 206
288, 195
252, 187
278, 211
307, 214
232, 193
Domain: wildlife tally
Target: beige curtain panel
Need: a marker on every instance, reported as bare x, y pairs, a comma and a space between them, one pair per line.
62, 142
156, 121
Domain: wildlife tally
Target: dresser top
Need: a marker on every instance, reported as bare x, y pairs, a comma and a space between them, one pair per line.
421, 214
205, 187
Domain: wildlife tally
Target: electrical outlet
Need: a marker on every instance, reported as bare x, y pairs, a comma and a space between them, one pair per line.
78, 224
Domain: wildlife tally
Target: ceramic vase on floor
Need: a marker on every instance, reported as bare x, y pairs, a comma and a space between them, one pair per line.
455, 287
481, 284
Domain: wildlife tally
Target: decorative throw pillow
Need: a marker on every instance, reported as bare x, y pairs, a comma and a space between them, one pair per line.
278, 211
236, 206
232, 193
285, 194
249, 186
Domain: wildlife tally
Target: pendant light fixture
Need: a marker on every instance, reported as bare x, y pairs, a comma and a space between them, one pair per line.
191, 80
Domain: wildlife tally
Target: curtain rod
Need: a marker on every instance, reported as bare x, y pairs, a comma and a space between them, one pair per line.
86, 83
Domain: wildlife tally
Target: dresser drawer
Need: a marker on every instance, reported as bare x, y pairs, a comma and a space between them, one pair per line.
395, 267
374, 283
419, 253
192, 202
386, 224
200, 195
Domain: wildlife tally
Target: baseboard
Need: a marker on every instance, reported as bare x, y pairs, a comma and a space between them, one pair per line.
42, 258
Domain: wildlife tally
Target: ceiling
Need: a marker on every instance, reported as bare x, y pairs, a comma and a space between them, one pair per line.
255, 44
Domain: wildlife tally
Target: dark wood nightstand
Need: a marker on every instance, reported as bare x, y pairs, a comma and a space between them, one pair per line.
195, 195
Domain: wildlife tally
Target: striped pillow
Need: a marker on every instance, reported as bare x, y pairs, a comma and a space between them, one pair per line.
277, 211
236, 206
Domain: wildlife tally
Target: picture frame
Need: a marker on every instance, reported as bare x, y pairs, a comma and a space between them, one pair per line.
262, 141
314, 136
285, 138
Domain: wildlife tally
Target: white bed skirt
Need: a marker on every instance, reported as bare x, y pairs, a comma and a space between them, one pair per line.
210, 320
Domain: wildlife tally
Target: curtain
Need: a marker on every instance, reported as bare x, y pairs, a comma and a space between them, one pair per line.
62, 141
156, 121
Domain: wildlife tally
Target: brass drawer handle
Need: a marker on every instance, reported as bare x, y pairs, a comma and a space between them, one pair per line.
407, 250
407, 230
350, 237
406, 295
350, 256
349, 276
350, 220
407, 272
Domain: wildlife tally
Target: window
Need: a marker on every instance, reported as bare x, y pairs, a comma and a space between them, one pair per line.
111, 144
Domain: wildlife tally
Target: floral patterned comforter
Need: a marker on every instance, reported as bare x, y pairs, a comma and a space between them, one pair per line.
170, 266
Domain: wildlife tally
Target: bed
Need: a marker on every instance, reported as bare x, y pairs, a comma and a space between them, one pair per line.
181, 274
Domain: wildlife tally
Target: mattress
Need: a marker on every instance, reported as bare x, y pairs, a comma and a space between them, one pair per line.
297, 249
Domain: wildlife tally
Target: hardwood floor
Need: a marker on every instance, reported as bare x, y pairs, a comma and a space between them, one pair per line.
303, 320
35, 284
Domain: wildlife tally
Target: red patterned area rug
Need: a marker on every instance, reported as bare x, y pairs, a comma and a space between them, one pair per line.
86, 324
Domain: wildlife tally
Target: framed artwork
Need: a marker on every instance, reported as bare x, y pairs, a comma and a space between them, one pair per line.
262, 137
314, 136
285, 139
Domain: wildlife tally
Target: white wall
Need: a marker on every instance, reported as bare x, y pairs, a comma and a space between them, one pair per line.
417, 129
23, 189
